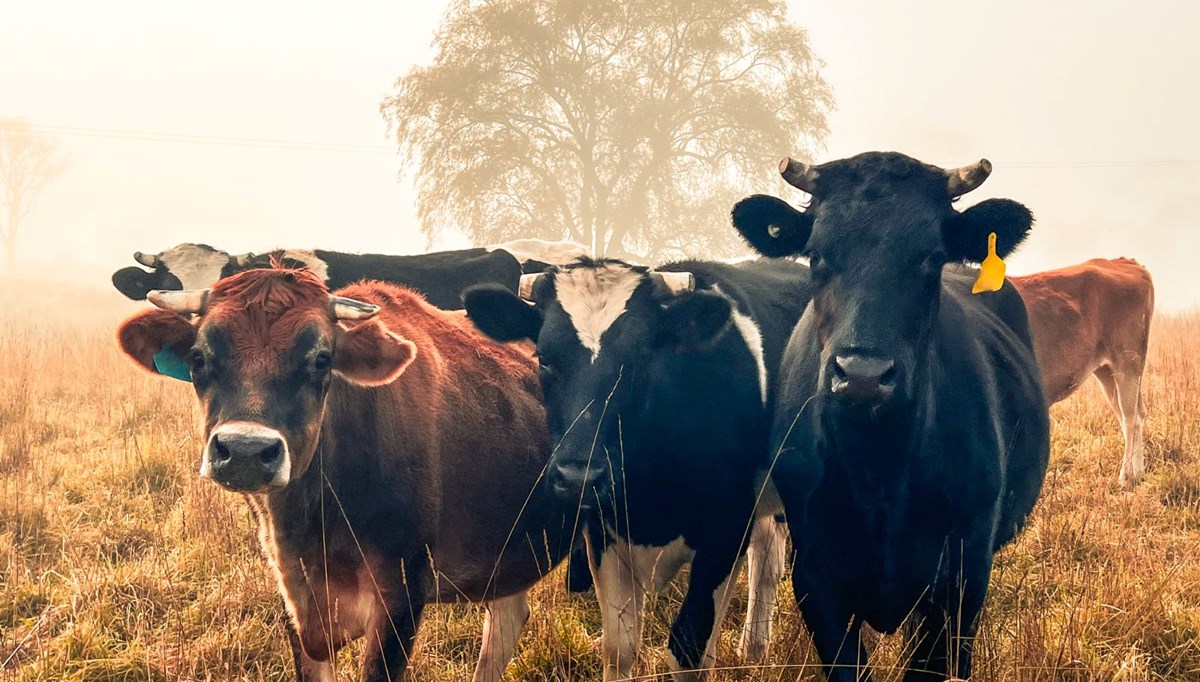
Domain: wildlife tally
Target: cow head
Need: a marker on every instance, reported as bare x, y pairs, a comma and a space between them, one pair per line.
607, 335
263, 348
877, 233
186, 266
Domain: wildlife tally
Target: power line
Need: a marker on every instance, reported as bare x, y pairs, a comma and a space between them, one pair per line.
268, 143
151, 136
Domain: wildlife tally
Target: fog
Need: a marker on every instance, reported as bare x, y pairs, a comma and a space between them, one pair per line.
250, 126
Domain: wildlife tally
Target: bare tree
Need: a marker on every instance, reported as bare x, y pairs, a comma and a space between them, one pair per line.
630, 126
28, 162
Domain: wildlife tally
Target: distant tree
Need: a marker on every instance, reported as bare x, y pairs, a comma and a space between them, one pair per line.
28, 162
629, 126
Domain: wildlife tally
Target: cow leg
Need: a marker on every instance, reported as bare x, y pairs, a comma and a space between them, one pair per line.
1123, 388
621, 595
622, 572
579, 575
316, 671
1132, 405
307, 669
1104, 374
945, 641
768, 553
696, 630
949, 620
501, 630
835, 632
394, 628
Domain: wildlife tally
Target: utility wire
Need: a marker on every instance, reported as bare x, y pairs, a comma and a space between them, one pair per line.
267, 143
203, 139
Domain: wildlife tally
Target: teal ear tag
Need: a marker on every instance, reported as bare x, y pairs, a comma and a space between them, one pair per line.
169, 364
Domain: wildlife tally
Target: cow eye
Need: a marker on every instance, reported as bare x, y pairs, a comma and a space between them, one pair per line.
197, 362
323, 362
817, 265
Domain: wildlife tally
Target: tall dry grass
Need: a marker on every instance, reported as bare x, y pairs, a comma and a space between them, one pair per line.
117, 563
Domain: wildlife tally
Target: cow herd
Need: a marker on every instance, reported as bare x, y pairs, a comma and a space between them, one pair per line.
418, 429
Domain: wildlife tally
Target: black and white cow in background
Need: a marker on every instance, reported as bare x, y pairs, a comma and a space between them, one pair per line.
657, 387
441, 276
912, 428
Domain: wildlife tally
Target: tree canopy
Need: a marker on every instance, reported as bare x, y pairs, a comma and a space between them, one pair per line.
631, 127
28, 162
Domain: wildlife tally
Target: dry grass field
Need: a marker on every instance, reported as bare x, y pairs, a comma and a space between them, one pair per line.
118, 563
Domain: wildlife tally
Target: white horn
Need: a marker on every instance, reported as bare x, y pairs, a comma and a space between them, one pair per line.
350, 309
186, 302
145, 258
525, 288
676, 282
799, 175
962, 180
242, 260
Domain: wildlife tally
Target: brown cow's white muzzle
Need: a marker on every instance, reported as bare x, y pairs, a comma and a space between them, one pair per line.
246, 457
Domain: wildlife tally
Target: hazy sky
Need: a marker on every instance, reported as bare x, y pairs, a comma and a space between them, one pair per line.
1088, 110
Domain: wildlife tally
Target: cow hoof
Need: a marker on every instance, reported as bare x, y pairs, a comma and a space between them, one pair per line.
752, 651
680, 675
1129, 481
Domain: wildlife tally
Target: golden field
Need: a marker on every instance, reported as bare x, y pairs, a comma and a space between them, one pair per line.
118, 563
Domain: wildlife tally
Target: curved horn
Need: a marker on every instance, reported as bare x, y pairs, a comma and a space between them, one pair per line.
528, 281
350, 309
962, 180
675, 282
149, 260
186, 302
799, 175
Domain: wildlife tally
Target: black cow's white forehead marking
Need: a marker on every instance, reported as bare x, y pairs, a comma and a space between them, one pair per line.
594, 298
196, 266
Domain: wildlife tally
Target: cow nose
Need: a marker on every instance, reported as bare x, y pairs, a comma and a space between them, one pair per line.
247, 458
265, 449
577, 483
863, 378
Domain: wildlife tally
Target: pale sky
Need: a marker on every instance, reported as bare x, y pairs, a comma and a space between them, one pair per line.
1087, 109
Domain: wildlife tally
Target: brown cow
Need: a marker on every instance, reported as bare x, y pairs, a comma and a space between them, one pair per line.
375, 492
1094, 318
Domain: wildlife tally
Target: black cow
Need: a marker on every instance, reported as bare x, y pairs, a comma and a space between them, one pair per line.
441, 276
657, 389
911, 425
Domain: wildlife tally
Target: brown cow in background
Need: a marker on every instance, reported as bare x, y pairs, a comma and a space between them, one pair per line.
1094, 318
391, 454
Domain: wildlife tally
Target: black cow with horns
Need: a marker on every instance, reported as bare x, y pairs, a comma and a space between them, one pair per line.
657, 385
911, 426
441, 275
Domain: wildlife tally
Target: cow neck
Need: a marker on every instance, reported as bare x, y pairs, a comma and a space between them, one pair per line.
877, 454
298, 513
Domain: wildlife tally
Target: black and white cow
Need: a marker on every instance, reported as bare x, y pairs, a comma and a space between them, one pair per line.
657, 385
911, 426
441, 276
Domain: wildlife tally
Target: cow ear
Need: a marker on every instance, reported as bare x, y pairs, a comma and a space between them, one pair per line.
966, 234
771, 225
135, 283
695, 321
501, 314
369, 354
159, 341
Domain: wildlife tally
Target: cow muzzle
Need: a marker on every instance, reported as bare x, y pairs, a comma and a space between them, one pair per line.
862, 379
247, 458
582, 485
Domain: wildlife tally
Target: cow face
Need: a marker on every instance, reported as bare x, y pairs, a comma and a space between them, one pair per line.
186, 266
607, 334
262, 349
878, 231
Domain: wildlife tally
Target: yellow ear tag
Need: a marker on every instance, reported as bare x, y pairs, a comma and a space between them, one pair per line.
991, 270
